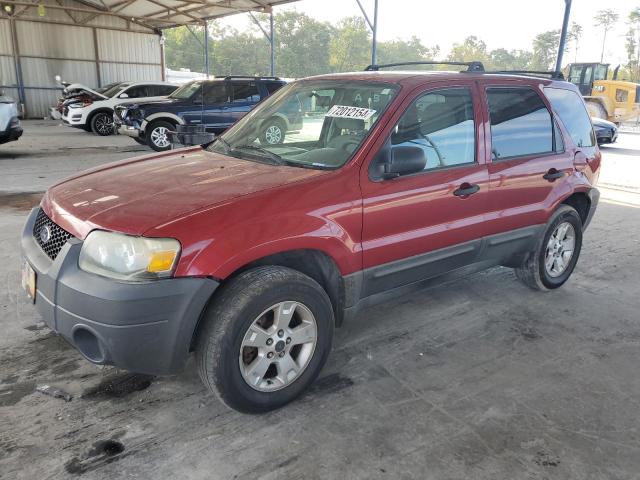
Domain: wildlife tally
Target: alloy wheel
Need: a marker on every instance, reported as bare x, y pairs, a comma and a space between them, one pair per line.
560, 249
160, 137
277, 347
104, 124
273, 134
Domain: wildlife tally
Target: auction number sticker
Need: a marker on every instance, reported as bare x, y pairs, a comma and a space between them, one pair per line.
344, 111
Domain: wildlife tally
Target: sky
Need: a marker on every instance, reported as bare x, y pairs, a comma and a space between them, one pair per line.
510, 24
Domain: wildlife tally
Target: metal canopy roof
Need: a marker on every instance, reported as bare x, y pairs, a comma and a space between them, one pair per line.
156, 14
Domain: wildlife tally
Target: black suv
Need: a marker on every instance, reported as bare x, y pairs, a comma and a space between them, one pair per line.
217, 104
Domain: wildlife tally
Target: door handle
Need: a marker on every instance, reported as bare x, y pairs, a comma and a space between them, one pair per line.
466, 189
552, 175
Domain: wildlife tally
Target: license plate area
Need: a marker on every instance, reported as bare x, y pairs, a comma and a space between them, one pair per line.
29, 279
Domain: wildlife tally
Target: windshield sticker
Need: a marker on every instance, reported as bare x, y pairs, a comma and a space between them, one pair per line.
343, 111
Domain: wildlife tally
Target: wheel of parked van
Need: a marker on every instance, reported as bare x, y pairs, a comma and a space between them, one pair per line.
596, 110
265, 338
157, 135
273, 132
557, 252
102, 124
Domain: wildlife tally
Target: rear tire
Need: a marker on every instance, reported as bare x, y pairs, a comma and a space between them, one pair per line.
157, 135
261, 321
102, 124
542, 268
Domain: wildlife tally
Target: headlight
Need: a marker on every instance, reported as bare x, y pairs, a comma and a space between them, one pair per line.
124, 257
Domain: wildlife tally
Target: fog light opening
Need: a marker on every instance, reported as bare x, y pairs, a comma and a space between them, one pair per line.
88, 344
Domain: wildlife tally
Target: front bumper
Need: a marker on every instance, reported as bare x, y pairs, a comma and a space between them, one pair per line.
73, 119
141, 327
132, 132
13, 132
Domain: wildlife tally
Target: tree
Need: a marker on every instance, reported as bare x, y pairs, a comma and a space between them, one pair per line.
503, 59
574, 35
605, 19
545, 50
405, 51
350, 47
633, 44
472, 49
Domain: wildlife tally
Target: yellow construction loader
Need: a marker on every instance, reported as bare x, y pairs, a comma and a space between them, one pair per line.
614, 100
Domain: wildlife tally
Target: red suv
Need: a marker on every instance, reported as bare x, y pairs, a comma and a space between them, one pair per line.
251, 254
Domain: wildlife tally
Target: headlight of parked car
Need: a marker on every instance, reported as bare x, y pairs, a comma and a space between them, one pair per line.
124, 257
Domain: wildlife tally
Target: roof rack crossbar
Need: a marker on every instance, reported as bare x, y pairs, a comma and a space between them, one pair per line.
252, 77
550, 73
471, 66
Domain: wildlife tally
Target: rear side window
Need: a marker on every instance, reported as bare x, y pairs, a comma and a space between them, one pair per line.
246, 92
138, 91
441, 124
520, 123
572, 112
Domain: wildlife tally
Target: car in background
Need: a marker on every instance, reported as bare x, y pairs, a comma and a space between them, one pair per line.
93, 110
606, 131
76, 93
215, 104
10, 128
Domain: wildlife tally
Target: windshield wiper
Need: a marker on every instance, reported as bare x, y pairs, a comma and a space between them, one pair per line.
274, 157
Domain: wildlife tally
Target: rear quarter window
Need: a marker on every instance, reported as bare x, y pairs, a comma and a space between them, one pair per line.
571, 110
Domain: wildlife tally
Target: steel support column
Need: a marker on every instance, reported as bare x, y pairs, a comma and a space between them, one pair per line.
18, 65
272, 43
206, 48
374, 29
270, 36
563, 34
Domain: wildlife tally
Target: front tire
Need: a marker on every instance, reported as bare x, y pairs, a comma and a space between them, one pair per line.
265, 338
102, 124
273, 132
556, 253
157, 135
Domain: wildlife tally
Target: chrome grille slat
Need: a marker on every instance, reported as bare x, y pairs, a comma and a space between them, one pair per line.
59, 236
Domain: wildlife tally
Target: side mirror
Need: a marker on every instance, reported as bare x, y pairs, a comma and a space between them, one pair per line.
58, 78
392, 162
123, 95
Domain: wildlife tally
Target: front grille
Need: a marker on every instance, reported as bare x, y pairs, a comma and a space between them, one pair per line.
57, 236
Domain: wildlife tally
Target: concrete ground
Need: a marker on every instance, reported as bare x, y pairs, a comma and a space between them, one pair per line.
479, 378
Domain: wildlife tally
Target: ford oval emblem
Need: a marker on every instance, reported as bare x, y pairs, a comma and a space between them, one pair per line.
45, 234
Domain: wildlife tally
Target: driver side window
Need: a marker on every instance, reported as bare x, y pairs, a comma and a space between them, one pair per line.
440, 123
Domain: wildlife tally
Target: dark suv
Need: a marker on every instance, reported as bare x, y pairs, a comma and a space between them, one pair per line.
250, 254
217, 104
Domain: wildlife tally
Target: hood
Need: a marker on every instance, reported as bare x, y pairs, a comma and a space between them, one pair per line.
599, 122
78, 89
136, 195
162, 102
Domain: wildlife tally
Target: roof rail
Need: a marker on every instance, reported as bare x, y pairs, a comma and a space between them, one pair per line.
551, 73
251, 77
471, 66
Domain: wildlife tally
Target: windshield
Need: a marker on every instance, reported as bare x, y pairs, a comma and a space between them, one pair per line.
186, 90
115, 89
107, 87
311, 124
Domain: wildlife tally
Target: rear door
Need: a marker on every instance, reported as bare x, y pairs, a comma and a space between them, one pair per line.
423, 224
528, 161
244, 96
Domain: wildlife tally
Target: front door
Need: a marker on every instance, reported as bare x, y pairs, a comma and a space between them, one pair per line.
425, 223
